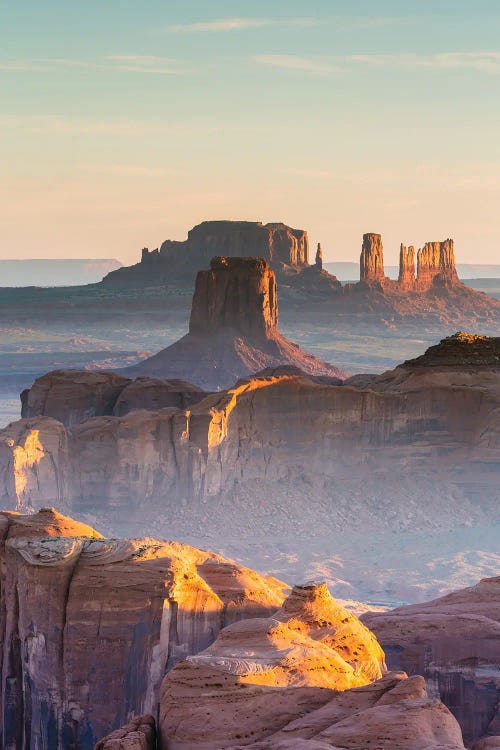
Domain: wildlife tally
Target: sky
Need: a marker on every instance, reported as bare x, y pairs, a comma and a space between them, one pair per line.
126, 123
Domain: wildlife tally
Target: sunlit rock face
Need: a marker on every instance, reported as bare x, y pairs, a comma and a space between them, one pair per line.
278, 244
34, 464
90, 625
372, 258
436, 264
262, 673
454, 642
233, 330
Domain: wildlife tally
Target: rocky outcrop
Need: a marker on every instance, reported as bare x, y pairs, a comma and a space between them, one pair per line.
393, 713
139, 734
406, 277
281, 246
372, 258
152, 394
261, 673
72, 396
319, 258
233, 330
452, 641
436, 264
89, 625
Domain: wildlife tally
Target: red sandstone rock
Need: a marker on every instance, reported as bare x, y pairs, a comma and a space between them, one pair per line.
89, 625
233, 330
278, 244
262, 673
70, 396
453, 641
436, 264
372, 258
139, 734
406, 277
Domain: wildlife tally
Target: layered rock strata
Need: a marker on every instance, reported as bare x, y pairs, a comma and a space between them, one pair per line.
275, 433
453, 641
72, 396
90, 625
406, 276
262, 673
233, 330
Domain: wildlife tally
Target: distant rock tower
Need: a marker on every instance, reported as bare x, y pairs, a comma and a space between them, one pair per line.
319, 258
406, 277
371, 261
436, 264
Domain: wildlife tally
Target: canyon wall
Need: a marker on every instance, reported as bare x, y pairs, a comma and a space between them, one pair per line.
90, 625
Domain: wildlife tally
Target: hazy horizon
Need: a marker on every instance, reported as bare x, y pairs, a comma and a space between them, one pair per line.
125, 126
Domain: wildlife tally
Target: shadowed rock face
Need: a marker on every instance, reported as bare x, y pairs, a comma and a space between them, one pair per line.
89, 625
372, 258
72, 396
233, 331
262, 673
238, 294
453, 641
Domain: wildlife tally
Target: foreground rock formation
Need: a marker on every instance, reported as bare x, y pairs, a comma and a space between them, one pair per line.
233, 330
89, 625
454, 642
260, 674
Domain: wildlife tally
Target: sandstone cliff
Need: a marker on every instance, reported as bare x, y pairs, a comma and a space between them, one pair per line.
89, 625
283, 435
233, 330
453, 641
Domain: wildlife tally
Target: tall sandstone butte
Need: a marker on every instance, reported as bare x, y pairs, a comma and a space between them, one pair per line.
436, 263
371, 262
406, 277
235, 293
233, 330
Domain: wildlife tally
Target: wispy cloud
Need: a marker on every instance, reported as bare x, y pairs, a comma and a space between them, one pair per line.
126, 63
237, 24
316, 65
480, 62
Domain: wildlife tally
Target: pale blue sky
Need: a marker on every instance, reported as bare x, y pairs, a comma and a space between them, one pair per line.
123, 123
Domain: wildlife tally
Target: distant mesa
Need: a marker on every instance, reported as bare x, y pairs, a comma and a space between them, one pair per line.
284, 248
233, 330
